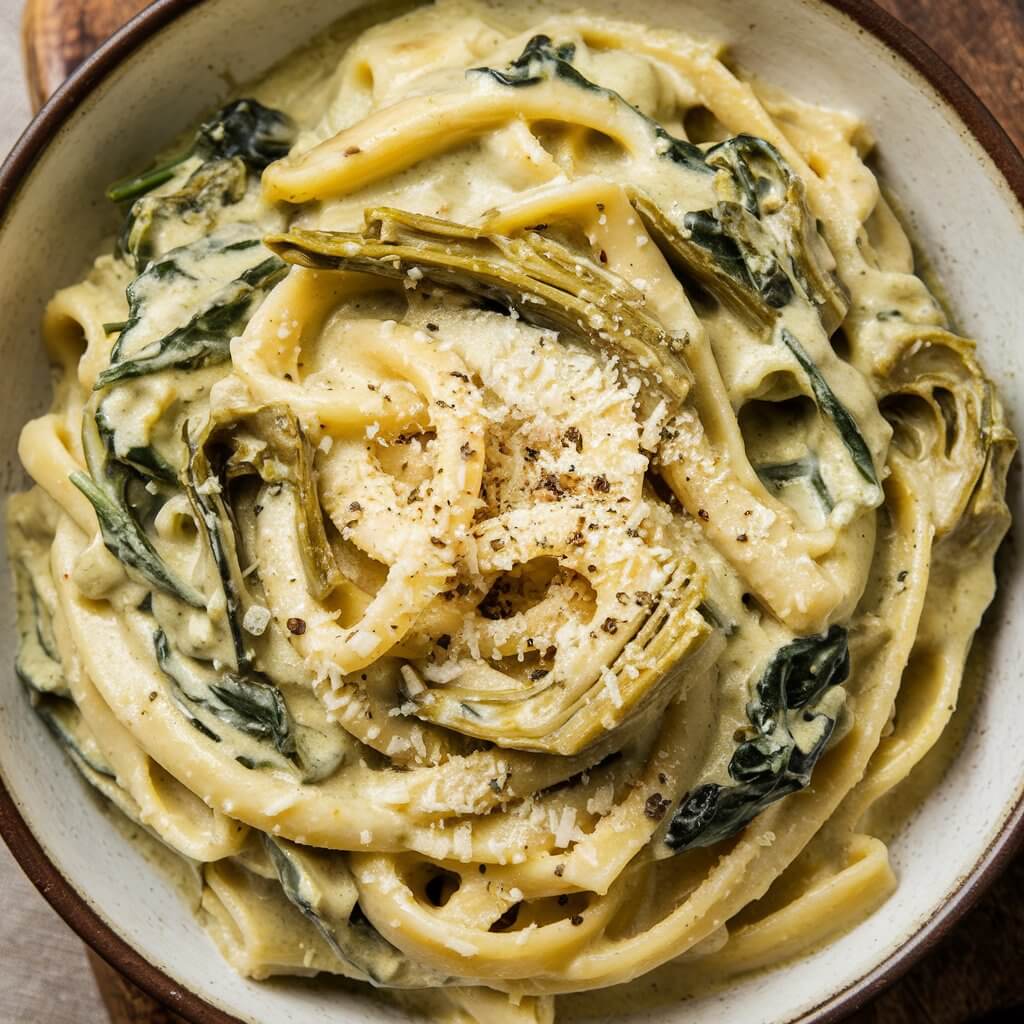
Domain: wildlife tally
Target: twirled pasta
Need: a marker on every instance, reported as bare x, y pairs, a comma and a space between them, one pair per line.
465, 534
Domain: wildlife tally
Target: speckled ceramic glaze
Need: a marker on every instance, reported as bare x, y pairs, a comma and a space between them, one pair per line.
957, 193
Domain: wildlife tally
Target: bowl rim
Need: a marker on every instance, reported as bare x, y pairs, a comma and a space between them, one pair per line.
73, 907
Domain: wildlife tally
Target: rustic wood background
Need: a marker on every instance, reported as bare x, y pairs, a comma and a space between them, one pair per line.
973, 975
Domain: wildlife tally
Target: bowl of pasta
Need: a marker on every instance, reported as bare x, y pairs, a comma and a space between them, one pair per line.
506, 513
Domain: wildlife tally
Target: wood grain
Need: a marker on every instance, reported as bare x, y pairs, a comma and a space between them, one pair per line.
57, 35
125, 1003
983, 41
974, 974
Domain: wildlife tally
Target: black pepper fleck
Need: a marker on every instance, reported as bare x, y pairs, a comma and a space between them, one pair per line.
656, 806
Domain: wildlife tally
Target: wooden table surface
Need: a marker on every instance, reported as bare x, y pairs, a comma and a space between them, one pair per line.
975, 974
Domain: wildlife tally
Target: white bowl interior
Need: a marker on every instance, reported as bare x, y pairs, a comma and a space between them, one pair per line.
961, 212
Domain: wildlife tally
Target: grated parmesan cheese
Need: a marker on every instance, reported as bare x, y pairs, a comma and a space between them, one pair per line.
256, 619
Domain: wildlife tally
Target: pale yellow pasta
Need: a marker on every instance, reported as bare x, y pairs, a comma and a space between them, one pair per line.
488, 506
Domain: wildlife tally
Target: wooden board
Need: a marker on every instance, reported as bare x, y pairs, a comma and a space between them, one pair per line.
57, 35
975, 974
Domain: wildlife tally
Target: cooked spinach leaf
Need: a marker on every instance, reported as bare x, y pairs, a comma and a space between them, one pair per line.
845, 424
245, 128
762, 177
774, 196
145, 459
248, 701
541, 61
192, 275
37, 662
214, 521
740, 245
319, 885
715, 263
299, 895
205, 340
793, 717
808, 468
763, 242
65, 722
196, 205
106, 487
126, 540
749, 253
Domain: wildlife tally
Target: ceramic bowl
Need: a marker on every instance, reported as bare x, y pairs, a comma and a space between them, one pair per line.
959, 181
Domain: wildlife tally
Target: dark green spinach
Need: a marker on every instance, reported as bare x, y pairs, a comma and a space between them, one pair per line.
541, 61
197, 204
247, 701
777, 760
205, 340
65, 722
106, 486
779, 474
37, 662
215, 523
327, 898
845, 424
247, 129
735, 239
145, 459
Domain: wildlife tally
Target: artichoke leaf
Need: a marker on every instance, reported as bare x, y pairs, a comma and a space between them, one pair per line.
268, 442
948, 421
552, 717
543, 281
